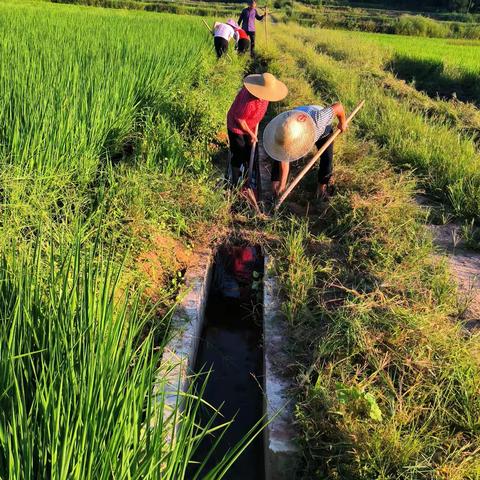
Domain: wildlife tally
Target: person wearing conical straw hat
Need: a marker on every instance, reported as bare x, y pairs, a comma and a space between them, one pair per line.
291, 135
222, 34
246, 112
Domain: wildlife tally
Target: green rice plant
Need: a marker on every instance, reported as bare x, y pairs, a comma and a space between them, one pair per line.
64, 108
90, 147
77, 369
151, 99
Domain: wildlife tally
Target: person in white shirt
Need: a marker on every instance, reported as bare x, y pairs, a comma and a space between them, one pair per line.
222, 34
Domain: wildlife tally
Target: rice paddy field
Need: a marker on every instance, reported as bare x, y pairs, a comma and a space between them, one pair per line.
106, 186
453, 53
443, 68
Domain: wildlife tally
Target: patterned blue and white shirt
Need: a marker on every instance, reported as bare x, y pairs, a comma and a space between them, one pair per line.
322, 117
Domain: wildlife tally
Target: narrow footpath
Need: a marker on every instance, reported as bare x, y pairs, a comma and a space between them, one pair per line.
464, 265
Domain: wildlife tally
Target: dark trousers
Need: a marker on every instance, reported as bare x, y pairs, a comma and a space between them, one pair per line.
252, 42
240, 148
221, 46
325, 169
243, 45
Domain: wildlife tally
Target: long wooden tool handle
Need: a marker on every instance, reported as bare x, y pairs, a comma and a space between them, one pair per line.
310, 164
266, 21
206, 24
252, 158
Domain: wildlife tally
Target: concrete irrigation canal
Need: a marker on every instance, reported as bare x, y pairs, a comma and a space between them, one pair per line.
229, 325
231, 347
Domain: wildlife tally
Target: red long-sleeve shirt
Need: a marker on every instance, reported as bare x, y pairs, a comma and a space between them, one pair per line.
246, 107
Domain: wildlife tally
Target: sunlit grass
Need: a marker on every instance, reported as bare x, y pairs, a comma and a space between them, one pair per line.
96, 115
388, 384
75, 83
447, 161
454, 53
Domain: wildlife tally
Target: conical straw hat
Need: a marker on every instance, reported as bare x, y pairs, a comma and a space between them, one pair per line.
232, 23
289, 136
266, 87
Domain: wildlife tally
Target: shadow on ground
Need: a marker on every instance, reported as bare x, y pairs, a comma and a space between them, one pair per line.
430, 76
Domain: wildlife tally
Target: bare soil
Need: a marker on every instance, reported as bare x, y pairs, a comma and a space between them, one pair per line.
463, 262
464, 265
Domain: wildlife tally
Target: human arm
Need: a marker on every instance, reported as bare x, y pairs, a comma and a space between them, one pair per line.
284, 169
339, 112
260, 17
240, 18
244, 127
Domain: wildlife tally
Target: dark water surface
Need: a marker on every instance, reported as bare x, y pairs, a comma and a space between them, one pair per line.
231, 346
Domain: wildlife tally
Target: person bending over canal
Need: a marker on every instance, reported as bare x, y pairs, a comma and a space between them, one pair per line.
246, 112
243, 40
247, 21
222, 34
291, 135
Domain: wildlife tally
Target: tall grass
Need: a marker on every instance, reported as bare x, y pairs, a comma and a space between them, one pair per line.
75, 84
78, 361
388, 384
97, 107
447, 162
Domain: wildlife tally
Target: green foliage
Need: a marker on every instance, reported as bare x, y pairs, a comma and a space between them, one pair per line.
299, 271
93, 146
418, 26
78, 363
77, 112
358, 401
448, 162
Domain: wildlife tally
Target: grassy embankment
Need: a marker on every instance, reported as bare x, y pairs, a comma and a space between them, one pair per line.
108, 120
388, 384
435, 138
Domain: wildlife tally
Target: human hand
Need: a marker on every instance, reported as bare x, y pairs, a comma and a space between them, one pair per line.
253, 138
342, 126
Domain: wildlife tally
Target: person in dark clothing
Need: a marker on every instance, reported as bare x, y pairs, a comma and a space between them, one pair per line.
243, 41
247, 21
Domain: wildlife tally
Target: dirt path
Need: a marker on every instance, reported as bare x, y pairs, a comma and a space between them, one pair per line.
464, 265
465, 268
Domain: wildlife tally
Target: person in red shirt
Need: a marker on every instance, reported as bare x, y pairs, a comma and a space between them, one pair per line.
243, 41
246, 112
